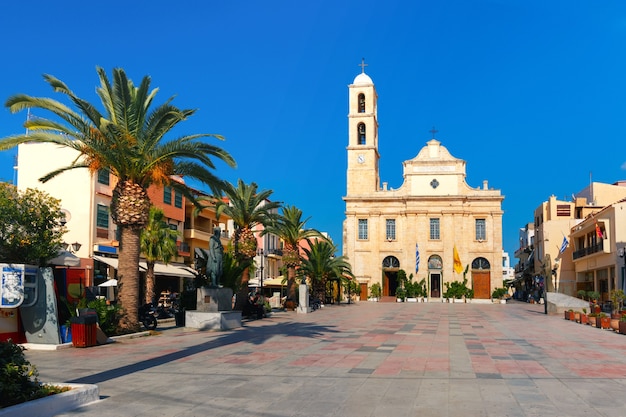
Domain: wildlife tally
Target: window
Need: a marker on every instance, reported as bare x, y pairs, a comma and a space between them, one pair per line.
361, 130
362, 229
167, 195
391, 229
361, 103
178, 199
481, 229
434, 229
102, 216
103, 176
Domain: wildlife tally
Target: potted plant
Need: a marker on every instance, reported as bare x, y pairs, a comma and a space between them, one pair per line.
584, 319
594, 297
421, 291
593, 318
400, 294
571, 315
577, 316
375, 292
582, 294
603, 321
617, 298
622, 324
499, 294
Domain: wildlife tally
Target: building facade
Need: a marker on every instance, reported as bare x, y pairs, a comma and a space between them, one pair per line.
419, 226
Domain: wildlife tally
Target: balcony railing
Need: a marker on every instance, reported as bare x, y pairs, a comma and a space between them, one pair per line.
589, 250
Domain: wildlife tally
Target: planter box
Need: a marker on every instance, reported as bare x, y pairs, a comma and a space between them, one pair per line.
605, 322
55, 404
584, 319
411, 300
622, 327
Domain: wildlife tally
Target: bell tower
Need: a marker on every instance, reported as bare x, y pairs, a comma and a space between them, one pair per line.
362, 176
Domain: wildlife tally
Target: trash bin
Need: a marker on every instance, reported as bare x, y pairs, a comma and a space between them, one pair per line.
84, 330
179, 318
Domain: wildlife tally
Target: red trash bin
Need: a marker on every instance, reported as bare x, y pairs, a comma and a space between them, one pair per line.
84, 330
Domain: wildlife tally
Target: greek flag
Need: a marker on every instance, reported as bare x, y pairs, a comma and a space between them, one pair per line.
417, 259
564, 245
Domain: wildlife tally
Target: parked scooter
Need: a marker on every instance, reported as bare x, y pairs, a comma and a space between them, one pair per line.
147, 316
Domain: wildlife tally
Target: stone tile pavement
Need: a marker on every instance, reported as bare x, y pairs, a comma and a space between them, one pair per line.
365, 359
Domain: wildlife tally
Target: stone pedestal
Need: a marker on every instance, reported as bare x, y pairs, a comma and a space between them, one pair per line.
212, 299
303, 306
220, 320
213, 310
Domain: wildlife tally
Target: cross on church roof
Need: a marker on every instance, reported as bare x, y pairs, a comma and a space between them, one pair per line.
433, 131
363, 65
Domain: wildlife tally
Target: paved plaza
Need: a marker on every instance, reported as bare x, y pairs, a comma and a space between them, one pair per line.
365, 359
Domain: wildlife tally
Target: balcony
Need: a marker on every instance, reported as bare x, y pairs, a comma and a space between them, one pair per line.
589, 250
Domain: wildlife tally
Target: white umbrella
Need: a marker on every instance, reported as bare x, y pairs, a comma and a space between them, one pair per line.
109, 283
65, 258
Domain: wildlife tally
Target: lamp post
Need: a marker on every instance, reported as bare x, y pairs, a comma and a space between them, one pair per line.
261, 253
622, 254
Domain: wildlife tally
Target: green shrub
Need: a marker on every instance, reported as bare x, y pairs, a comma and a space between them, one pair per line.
18, 378
499, 293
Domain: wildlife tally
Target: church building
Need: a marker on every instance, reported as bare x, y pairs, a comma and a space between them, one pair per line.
421, 227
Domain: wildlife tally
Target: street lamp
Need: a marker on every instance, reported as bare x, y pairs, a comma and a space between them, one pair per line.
622, 254
73, 247
261, 253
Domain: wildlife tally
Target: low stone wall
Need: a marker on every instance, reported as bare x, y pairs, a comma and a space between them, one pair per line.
558, 303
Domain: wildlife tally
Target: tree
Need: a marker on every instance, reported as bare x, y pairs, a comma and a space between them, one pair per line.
31, 226
320, 264
129, 139
158, 243
248, 208
290, 228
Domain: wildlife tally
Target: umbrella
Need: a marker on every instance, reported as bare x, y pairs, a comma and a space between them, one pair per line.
109, 283
65, 258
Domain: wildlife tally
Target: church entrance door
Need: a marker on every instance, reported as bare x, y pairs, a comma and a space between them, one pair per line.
364, 294
482, 284
390, 283
435, 285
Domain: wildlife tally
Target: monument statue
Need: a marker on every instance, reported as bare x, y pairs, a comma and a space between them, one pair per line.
214, 261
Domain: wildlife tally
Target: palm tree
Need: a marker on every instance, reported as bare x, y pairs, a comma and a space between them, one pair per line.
248, 208
320, 264
290, 228
129, 140
158, 243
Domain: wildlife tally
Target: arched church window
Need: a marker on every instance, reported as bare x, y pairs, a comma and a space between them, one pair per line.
434, 262
480, 263
391, 262
361, 103
361, 132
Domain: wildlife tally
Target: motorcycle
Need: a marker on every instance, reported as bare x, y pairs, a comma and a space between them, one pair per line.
147, 316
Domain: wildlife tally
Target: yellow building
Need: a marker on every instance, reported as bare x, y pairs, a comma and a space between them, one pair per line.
433, 212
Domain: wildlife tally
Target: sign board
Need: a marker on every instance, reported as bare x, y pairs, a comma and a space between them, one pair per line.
18, 285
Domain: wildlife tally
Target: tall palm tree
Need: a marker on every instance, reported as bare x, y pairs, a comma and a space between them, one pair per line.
158, 243
320, 264
128, 138
248, 208
291, 229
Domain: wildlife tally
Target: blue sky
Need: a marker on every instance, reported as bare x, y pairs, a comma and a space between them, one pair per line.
532, 94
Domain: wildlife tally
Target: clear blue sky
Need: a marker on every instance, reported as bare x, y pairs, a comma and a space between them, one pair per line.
531, 93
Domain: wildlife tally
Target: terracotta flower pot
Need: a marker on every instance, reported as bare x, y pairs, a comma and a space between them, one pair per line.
566, 313
572, 315
592, 321
614, 324
584, 319
605, 322
577, 316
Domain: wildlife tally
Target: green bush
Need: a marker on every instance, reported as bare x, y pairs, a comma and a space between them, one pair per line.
18, 378
375, 290
499, 293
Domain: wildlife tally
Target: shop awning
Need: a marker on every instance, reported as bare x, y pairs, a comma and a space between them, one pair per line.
170, 270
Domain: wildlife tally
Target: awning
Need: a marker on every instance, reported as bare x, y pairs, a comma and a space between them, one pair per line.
109, 261
170, 270
65, 258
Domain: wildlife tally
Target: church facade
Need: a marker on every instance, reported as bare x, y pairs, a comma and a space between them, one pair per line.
419, 226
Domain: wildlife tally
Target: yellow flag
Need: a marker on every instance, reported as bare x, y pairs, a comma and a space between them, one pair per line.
458, 266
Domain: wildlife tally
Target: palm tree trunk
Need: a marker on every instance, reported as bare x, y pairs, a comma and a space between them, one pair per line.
150, 283
242, 294
128, 278
291, 283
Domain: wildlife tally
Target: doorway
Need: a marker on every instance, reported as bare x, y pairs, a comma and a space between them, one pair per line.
435, 285
390, 283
